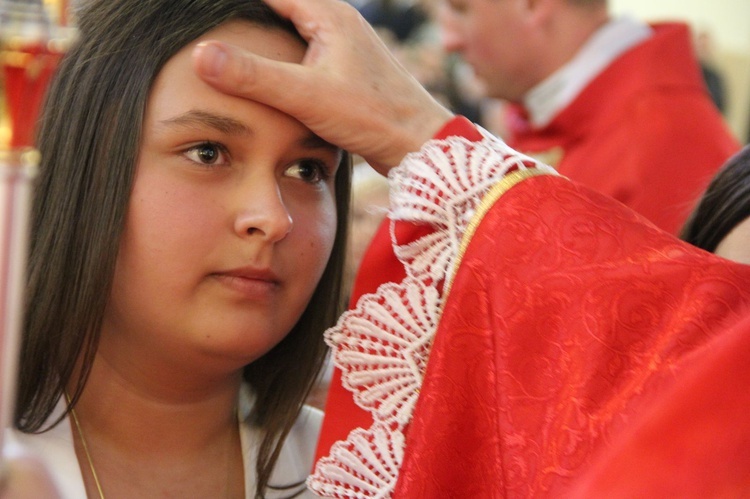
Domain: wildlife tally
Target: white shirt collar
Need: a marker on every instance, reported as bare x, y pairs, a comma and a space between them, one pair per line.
548, 98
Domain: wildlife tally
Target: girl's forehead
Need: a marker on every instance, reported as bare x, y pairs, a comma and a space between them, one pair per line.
270, 42
178, 74
180, 100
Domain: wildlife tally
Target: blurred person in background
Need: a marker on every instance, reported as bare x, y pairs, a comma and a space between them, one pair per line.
611, 102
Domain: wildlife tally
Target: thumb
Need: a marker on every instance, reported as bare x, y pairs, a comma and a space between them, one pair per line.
244, 74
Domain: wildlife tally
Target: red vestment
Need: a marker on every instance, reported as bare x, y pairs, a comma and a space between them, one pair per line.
573, 319
558, 359
644, 131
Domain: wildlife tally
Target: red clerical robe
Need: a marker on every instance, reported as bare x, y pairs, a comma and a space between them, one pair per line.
644, 131
579, 351
572, 319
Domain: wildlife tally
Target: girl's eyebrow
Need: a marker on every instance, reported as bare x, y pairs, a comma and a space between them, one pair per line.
196, 118
312, 141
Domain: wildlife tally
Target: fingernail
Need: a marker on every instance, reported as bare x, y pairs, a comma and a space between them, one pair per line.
212, 58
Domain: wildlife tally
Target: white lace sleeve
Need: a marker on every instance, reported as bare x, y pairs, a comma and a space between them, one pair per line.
382, 345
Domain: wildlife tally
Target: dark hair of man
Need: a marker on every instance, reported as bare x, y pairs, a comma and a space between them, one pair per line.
725, 204
89, 137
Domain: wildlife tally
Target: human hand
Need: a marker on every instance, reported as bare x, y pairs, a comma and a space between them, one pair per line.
349, 89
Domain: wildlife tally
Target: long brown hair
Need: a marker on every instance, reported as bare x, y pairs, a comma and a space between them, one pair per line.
89, 137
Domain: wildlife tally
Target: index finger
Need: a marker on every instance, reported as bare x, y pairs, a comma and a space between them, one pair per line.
309, 16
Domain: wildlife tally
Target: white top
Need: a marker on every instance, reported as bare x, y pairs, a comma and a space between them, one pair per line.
55, 448
557, 91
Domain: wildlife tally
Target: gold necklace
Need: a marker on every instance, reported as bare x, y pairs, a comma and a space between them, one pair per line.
85, 448
91, 461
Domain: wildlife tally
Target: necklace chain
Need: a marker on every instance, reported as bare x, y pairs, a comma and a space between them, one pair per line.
85, 448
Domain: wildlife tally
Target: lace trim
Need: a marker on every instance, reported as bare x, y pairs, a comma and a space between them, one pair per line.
382, 346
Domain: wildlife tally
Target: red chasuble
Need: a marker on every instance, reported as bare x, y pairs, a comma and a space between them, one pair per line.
644, 131
570, 318
571, 339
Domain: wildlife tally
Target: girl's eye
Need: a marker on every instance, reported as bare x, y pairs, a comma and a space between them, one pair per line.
207, 153
311, 171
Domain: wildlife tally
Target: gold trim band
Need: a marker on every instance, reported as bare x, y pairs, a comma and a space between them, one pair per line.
488, 201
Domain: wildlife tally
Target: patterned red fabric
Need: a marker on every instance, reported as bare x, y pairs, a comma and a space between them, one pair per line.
574, 317
645, 131
693, 441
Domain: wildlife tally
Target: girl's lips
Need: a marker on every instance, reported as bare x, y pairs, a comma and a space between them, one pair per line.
252, 282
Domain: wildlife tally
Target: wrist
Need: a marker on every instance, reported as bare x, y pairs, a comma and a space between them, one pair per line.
425, 129
407, 136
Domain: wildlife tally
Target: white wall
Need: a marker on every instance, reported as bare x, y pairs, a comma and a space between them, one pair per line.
728, 20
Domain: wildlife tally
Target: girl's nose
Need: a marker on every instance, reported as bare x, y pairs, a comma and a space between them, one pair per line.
263, 213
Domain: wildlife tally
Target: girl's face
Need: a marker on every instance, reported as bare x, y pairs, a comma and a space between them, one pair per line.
231, 220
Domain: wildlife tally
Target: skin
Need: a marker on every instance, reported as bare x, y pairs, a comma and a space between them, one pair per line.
370, 106
231, 221
513, 45
735, 245
381, 112
472, 28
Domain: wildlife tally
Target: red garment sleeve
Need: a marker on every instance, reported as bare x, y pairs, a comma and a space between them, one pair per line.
691, 442
564, 324
379, 265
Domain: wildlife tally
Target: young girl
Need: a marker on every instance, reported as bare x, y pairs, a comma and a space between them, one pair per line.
546, 340
186, 256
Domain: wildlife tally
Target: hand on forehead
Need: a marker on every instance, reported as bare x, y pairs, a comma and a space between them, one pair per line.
350, 90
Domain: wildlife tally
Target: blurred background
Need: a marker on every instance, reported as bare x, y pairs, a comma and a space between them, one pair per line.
721, 29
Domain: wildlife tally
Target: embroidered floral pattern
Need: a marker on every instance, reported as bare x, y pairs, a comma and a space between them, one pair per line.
382, 346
